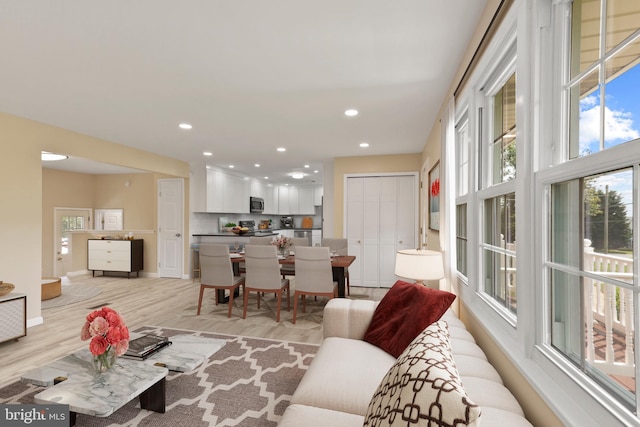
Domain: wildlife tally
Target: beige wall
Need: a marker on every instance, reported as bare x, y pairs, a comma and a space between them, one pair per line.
63, 190
535, 409
361, 165
76, 190
21, 193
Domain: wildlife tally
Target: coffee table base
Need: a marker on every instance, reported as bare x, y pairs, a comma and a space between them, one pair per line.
153, 399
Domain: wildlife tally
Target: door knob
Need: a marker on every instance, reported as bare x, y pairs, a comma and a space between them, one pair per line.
59, 259
178, 234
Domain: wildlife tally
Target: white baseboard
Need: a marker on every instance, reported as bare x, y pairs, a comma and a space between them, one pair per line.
35, 321
78, 273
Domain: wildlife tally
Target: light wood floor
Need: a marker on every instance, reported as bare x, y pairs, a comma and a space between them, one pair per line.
157, 302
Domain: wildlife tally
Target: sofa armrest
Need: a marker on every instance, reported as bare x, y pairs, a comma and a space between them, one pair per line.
347, 318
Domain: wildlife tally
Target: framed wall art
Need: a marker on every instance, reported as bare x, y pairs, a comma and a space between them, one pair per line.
434, 197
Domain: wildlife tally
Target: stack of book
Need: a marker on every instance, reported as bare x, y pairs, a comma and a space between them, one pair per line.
145, 346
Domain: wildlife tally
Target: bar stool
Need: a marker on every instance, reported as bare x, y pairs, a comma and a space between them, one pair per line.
195, 260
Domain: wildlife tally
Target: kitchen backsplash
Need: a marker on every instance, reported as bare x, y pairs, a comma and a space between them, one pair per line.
203, 222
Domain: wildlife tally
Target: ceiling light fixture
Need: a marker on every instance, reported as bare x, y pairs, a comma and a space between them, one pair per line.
306, 166
46, 156
266, 177
297, 175
185, 126
351, 112
231, 166
315, 171
257, 165
207, 153
281, 149
364, 144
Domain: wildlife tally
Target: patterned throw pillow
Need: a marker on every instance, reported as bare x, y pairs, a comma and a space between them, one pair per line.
423, 387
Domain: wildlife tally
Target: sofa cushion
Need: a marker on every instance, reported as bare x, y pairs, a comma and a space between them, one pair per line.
423, 387
403, 313
343, 376
297, 415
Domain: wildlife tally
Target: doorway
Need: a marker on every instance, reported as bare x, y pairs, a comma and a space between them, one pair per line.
170, 227
67, 220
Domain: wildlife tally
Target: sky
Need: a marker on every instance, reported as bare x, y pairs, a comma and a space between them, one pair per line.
622, 124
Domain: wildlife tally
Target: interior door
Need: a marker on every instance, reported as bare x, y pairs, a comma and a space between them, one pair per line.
381, 218
170, 227
66, 221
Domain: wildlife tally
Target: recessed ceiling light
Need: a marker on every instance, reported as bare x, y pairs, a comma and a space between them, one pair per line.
266, 177
231, 166
297, 175
364, 144
185, 126
315, 171
281, 149
351, 112
257, 165
306, 166
207, 153
45, 156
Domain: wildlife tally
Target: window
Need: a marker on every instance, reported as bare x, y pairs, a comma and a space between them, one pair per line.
498, 227
463, 139
69, 223
592, 200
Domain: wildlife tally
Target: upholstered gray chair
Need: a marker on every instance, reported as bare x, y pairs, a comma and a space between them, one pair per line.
313, 276
340, 246
290, 269
263, 275
216, 272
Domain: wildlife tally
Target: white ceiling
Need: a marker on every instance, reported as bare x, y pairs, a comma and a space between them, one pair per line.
249, 75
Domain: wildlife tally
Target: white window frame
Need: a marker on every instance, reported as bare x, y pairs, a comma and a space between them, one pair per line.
540, 29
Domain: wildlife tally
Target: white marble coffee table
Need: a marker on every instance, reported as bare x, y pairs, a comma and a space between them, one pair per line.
99, 395
72, 380
186, 353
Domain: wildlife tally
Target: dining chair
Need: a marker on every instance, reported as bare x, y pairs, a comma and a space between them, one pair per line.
313, 276
340, 246
260, 240
290, 269
216, 272
254, 240
263, 275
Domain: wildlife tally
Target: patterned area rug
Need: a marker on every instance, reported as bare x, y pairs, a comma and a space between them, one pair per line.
249, 382
72, 294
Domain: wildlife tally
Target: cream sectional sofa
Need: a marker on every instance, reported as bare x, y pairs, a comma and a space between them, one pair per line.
346, 371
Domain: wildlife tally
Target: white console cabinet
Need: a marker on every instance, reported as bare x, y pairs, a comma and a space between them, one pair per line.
13, 317
115, 255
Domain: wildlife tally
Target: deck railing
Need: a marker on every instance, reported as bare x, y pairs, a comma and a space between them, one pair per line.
611, 312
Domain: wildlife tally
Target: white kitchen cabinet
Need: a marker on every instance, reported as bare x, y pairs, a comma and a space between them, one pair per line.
227, 193
13, 316
115, 255
318, 192
305, 201
283, 200
286, 233
215, 190
271, 199
294, 200
257, 188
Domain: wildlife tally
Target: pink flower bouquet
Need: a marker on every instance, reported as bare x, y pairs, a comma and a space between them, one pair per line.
282, 243
109, 336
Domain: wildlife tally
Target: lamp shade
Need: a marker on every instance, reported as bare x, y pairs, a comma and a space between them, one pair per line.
419, 265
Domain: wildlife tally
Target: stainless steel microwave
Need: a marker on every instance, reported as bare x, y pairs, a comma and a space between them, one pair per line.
256, 204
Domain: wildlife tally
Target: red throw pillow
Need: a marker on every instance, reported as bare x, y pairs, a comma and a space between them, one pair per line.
404, 312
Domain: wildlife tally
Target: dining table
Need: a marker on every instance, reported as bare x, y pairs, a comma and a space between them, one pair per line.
338, 265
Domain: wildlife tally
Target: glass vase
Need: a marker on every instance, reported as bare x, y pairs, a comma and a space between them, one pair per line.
105, 361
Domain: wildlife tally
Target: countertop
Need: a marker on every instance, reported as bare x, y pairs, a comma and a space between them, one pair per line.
263, 232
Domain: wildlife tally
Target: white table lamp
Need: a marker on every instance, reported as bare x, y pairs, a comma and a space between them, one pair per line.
419, 265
